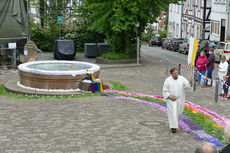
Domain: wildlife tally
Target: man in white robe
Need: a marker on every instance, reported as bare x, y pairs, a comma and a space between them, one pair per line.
173, 91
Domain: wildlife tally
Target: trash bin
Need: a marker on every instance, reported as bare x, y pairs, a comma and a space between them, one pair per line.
64, 50
102, 48
90, 50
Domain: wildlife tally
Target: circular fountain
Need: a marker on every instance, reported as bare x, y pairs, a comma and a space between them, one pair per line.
55, 74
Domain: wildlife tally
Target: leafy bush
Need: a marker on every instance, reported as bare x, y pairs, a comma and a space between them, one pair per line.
44, 37
70, 30
78, 31
116, 44
146, 37
163, 34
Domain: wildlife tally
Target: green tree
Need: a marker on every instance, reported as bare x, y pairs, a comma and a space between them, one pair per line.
50, 9
117, 19
46, 33
166, 23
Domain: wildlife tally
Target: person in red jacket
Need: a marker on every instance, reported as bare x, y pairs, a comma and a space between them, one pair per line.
201, 66
210, 67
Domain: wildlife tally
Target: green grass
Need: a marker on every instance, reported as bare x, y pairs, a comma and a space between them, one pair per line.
113, 56
24, 96
118, 86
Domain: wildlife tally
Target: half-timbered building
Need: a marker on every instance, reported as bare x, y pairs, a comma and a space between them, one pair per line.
195, 18
199, 19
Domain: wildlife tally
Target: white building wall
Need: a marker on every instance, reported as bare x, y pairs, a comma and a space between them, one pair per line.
219, 12
174, 21
192, 22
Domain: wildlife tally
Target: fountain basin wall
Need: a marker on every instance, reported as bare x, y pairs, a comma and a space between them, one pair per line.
56, 74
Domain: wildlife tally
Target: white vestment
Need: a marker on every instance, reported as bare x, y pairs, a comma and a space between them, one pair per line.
175, 88
223, 68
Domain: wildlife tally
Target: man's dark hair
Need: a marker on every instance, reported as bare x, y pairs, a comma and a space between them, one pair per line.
173, 69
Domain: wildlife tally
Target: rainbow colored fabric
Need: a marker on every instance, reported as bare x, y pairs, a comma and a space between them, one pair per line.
202, 124
97, 86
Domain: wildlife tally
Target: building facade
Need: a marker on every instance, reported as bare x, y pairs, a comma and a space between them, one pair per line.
206, 19
174, 21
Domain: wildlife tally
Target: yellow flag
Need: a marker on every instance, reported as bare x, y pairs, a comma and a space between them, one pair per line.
194, 51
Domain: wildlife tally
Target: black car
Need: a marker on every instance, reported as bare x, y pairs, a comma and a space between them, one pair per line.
155, 41
175, 44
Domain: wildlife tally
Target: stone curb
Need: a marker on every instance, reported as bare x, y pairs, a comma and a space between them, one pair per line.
105, 66
100, 60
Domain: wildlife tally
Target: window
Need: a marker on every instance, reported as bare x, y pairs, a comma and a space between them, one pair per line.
215, 27
178, 9
228, 47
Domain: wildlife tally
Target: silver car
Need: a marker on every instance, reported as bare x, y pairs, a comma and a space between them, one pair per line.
166, 43
184, 47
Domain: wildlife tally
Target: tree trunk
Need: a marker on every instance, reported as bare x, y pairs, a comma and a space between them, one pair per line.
126, 45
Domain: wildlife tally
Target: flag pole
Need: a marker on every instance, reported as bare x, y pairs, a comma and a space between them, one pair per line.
194, 78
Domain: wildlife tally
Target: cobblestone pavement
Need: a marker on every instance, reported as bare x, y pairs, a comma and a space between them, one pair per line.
100, 124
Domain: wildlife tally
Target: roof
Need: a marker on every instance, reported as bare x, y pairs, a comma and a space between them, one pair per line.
163, 13
161, 24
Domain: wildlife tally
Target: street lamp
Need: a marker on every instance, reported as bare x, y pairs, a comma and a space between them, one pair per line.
137, 26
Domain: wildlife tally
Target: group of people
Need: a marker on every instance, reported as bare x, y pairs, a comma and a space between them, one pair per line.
204, 64
173, 92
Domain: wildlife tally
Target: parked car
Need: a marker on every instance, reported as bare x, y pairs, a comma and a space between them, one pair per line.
219, 51
175, 44
184, 46
226, 51
206, 45
166, 43
170, 44
155, 41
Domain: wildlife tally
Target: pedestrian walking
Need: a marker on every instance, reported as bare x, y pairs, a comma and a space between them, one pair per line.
210, 68
201, 66
173, 91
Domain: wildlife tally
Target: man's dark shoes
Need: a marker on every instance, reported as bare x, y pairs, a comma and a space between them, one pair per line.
173, 130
